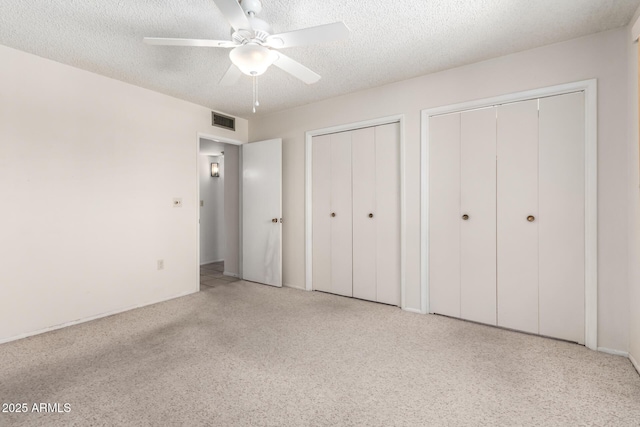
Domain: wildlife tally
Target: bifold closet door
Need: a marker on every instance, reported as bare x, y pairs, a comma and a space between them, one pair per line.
444, 214
321, 206
341, 212
477, 217
517, 212
561, 222
363, 148
376, 213
331, 198
507, 215
387, 213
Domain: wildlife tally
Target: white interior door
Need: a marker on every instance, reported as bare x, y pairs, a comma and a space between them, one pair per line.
321, 213
387, 213
363, 148
341, 215
444, 214
332, 213
561, 222
478, 203
514, 252
517, 237
262, 212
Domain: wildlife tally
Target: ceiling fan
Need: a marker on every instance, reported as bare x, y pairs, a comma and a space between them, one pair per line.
253, 46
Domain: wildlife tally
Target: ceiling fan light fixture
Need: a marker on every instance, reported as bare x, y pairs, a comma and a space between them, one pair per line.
252, 59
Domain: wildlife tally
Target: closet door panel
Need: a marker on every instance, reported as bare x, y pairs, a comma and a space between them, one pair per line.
478, 201
387, 213
561, 221
517, 195
321, 204
363, 149
341, 205
444, 218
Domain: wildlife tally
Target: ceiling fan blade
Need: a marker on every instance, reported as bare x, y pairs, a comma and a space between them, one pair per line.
231, 77
162, 41
234, 13
312, 35
296, 69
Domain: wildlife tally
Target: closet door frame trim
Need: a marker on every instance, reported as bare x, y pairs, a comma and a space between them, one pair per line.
590, 89
308, 193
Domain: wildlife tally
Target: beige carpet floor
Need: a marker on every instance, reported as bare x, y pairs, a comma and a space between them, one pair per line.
242, 354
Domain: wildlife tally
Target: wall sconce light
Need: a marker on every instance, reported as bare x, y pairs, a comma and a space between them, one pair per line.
215, 170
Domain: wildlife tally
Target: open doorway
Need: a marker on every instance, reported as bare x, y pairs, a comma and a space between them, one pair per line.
219, 212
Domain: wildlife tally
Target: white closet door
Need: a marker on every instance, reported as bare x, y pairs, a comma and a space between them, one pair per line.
444, 214
561, 219
478, 201
341, 206
363, 148
387, 213
321, 200
517, 194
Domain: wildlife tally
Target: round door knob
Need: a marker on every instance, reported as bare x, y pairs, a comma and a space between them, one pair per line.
531, 218
333, 214
371, 215
274, 220
465, 217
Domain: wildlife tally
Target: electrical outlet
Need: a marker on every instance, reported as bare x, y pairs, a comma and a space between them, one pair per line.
177, 202
160, 264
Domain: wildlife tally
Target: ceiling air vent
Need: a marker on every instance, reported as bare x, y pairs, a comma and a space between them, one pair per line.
223, 121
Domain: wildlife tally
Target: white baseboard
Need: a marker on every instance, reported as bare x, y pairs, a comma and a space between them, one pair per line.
635, 363
88, 319
614, 352
209, 262
230, 274
413, 310
289, 285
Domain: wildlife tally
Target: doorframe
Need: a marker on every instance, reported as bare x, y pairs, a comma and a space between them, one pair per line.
590, 89
399, 118
224, 140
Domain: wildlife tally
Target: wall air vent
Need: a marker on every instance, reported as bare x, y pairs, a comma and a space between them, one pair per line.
223, 121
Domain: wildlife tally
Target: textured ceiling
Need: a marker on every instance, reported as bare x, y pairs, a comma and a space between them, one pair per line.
389, 41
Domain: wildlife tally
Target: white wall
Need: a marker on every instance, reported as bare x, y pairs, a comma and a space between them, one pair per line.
602, 56
89, 167
634, 199
212, 223
232, 209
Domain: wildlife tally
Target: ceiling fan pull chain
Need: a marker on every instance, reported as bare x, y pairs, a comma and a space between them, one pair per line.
254, 93
256, 102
